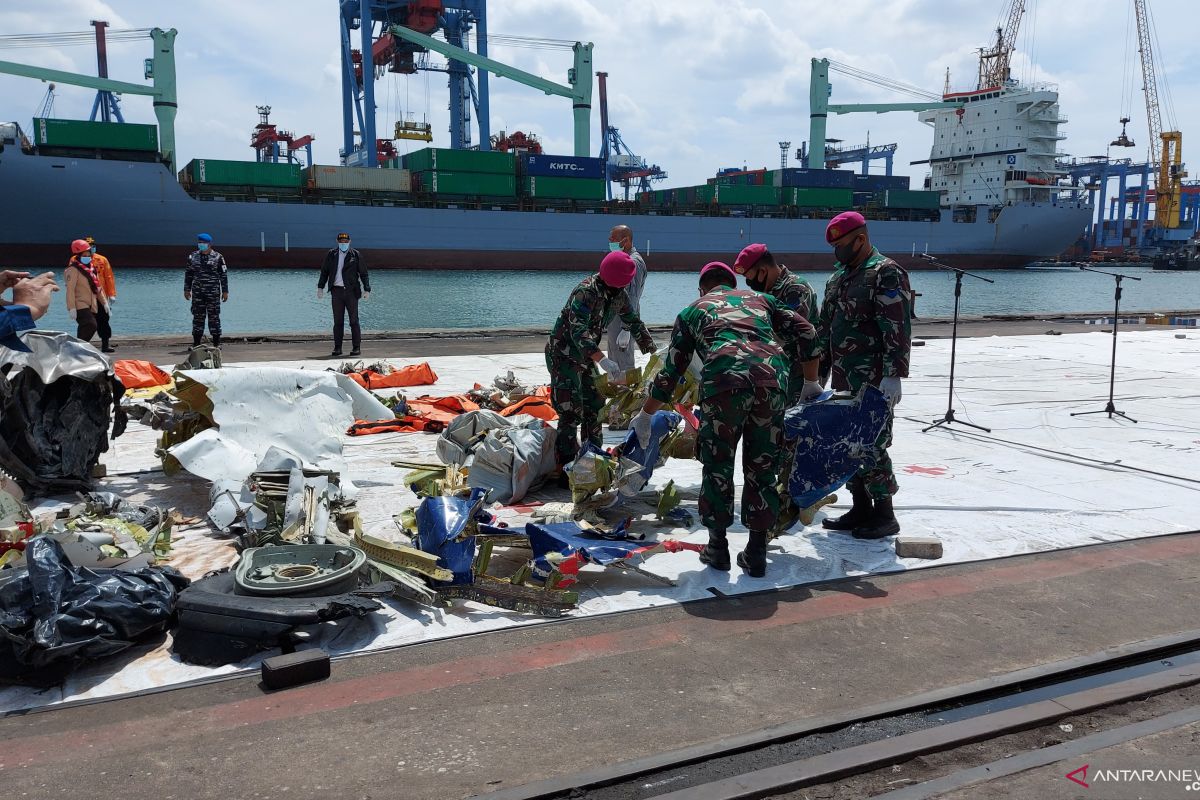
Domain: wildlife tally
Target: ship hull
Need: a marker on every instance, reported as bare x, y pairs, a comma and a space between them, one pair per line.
142, 217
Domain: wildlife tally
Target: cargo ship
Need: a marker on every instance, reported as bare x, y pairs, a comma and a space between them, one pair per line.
992, 199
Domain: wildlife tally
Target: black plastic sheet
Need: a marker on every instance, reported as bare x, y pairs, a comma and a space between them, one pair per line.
55, 617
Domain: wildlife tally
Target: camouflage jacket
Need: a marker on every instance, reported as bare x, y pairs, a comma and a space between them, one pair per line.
739, 335
866, 322
206, 273
591, 306
792, 291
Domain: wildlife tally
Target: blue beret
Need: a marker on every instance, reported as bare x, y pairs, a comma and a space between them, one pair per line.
203, 237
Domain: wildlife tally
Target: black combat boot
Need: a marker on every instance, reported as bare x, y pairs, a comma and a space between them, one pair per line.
217, 342
195, 341
753, 560
716, 552
858, 514
881, 523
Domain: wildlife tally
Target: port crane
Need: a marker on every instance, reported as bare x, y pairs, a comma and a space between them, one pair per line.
1168, 188
621, 165
994, 70
271, 144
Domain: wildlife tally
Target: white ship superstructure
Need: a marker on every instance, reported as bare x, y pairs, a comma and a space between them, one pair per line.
999, 148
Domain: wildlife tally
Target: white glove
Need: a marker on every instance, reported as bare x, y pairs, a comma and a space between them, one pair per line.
623, 340
891, 390
366, 295
320, 294
642, 428
112, 301
611, 367
71, 313
811, 391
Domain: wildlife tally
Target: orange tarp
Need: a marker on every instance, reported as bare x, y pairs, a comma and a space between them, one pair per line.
139, 374
533, 406
413, 375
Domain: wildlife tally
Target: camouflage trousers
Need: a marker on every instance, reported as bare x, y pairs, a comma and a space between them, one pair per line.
206, 304
877, 476
755, 418
574, 396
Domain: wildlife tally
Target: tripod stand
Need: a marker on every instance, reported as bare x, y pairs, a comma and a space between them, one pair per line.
1109, 408
949, 417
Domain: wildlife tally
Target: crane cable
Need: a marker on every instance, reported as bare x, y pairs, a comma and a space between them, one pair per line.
1167, 103
69, 38
1126, 70
882, 80
529, 42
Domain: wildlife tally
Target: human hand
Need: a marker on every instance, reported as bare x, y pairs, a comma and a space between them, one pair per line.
187, 295
650, 348
224, 296
9, 279
610, 367
72, 314
35, 293
891, 390
811, 391
320, 294
623, 339
366, 295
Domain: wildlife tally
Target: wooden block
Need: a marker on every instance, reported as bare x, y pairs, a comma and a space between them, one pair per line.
929, 547
293, 669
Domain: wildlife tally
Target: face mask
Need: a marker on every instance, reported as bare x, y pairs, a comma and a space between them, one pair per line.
343, 246
202, 247
614, 247
85, 259
757, 284
845, 253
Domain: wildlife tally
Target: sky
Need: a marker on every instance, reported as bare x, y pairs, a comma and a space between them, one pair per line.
694, 85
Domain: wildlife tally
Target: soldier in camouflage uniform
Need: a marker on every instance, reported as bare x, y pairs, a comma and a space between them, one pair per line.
740, 337
206, 284
865, 328
574, 346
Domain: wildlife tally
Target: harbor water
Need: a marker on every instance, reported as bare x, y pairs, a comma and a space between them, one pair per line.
150, 301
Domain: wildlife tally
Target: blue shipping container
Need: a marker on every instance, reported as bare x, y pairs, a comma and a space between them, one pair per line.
562, 166
879, 183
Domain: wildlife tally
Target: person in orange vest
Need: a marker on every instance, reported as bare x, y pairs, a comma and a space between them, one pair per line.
108, 286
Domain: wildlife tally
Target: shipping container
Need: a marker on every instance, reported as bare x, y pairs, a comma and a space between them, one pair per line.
544, 166
363, 179
810, 197
244, 173
475, 184
564, 188
908, 198
436, 159
743, 195
879, 183
816, 178
100, 135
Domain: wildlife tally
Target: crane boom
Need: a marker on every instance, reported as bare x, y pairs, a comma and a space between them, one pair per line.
1169, 183
994, 63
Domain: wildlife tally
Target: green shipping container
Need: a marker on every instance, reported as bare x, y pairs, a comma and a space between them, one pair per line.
437, 159
811, 197
564, 188
466, 183
743, 195
911, 198
101, 135
244, 173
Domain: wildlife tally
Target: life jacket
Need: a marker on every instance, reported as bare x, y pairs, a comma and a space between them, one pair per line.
534, 406
405, 424
140, 374
413, 375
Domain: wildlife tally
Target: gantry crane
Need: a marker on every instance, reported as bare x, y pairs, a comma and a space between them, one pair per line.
994, 63
1168, 187
621, 165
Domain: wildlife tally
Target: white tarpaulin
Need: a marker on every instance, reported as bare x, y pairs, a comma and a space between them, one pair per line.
1042, 480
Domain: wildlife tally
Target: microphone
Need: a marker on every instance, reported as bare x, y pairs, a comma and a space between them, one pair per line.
927, 256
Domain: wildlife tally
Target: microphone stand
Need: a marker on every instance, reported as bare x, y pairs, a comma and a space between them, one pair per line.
1109, 408
949, 417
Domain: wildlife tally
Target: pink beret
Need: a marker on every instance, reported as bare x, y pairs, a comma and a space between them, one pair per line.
749, 256
617, 269
712, 265
842, 224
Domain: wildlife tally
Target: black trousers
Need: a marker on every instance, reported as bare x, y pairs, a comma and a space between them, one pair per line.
85, 322
102, 325
345, 303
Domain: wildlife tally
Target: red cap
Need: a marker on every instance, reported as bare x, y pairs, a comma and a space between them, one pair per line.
749, 256
842, 224
712, 265
617, 269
